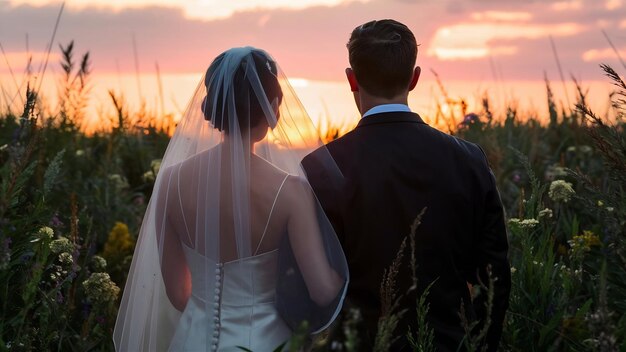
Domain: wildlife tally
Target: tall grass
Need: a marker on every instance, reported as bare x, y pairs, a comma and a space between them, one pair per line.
71, 206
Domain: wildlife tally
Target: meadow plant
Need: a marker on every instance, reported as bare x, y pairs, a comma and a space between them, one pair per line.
72, 202
118, 252
61, 192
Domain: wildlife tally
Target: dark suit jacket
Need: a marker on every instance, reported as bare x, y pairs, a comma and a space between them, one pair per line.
390, 167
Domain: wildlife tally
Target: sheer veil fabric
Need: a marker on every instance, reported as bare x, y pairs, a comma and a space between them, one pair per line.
231, 199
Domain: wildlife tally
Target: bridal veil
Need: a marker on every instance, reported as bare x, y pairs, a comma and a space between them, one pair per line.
231, 187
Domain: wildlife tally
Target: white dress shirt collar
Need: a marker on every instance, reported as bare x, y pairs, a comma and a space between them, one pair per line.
387, 108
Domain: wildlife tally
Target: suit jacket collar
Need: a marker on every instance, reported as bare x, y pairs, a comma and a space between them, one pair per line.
390, 117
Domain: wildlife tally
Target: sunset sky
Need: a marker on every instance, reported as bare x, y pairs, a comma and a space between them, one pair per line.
472, 42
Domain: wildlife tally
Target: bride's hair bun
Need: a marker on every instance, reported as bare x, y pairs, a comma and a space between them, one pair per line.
249, 112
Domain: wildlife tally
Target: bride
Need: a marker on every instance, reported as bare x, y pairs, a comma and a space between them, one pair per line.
234, 250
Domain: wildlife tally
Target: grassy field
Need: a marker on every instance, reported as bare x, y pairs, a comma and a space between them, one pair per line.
71, 205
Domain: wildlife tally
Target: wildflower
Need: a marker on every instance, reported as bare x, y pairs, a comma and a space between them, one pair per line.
155, 165
545, 213
119, 241
523, 224
3, 147
514, 221
469, 119
610, 209
580, 244
528, 223
591, 239
600, 203
44, 233
119, 181
513, 270
80, 152
99, 264
61, 245
561, 191
100, 289
148, 176
66, 258
55, 221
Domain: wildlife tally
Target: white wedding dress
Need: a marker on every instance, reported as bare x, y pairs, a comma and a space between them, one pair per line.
244, 312
197, 282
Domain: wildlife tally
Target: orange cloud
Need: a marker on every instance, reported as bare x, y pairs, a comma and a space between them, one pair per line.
472, 40
567, 5
602, 54
501, 16
613, 4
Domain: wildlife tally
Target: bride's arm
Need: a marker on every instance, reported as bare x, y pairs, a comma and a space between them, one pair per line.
176, 275
322, 281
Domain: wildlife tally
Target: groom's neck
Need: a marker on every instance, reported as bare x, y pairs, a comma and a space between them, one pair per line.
368, 101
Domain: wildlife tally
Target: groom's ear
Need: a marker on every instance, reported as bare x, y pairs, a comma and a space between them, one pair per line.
416, 77
354, 85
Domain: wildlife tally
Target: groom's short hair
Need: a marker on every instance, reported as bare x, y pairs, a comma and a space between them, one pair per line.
382, 55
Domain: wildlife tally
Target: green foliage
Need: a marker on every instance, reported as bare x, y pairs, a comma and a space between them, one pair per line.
62, 191
567, 237
65, 193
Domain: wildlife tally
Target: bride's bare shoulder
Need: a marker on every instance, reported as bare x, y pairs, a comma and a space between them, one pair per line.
193, 160
297, 189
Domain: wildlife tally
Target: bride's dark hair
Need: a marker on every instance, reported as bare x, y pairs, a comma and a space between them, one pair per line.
248, 109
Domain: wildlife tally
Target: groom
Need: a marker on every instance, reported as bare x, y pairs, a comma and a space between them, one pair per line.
379, 178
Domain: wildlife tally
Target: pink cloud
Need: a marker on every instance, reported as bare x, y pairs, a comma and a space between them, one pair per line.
310, 43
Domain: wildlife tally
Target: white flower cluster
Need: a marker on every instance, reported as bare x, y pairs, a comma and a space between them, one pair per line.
66, 258
545, 214
119, 181
155, 165
100, 289
61, 245
99, 264
43, 234
150, 175
524, 224
561, 191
